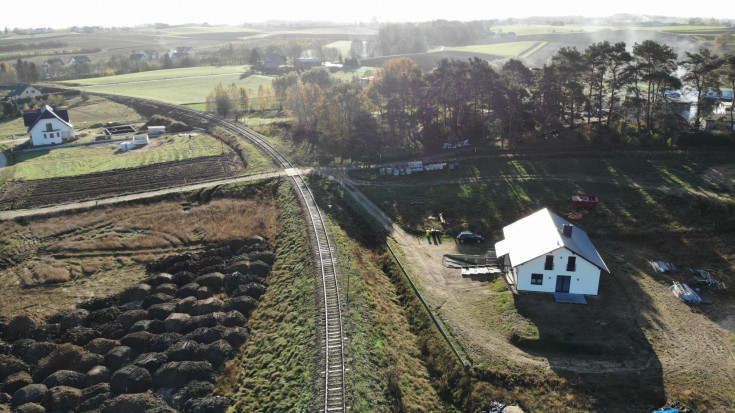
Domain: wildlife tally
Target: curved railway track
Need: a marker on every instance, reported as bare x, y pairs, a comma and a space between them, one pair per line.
332, 340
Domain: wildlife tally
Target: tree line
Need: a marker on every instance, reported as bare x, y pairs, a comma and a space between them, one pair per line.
604, 94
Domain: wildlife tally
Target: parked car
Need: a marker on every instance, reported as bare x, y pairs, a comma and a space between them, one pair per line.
470, 237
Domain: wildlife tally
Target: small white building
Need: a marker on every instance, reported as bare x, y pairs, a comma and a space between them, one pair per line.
544, 252
48, 126
156, 130
23, 91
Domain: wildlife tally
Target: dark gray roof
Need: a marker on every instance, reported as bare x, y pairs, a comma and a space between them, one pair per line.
47, 112
18, 89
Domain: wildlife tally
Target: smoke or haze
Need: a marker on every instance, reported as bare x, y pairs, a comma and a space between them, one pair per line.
55, 14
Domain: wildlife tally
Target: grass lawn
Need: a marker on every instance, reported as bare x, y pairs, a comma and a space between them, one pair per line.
500, 49
105, 157
344, 46
189, 30
160, 75
361, 71
182, 90
545, 29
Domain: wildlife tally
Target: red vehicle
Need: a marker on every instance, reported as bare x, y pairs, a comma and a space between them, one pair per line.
588, 201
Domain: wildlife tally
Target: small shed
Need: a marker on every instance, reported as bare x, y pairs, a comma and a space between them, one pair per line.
544, 252
156, 130
141, 140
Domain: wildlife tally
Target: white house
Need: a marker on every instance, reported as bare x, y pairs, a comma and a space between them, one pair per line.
22, 91
48, 126
546, 253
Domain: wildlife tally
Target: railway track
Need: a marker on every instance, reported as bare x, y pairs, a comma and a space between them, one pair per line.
332, 340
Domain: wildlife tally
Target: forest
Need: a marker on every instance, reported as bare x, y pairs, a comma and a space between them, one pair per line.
603, 95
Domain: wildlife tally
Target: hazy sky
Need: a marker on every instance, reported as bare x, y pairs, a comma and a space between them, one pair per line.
47, 13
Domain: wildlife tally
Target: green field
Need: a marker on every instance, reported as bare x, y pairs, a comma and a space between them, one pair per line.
182, 90
538, 47
500, 49
189, 30
160, 75
106, 157
546, 29
344, 46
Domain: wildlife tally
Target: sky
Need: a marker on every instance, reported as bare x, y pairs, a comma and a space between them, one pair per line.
67, 13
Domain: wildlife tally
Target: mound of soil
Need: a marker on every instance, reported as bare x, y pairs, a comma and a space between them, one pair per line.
115, 354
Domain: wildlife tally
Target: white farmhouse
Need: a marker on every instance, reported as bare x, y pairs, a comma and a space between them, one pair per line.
546, 253
48, 126
23, 91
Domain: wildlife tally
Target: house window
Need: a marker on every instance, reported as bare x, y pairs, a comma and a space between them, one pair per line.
57, 134
537, 279
49, 127
549, 262
572, 264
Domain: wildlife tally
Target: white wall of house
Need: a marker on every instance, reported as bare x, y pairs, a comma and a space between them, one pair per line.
50, 131
585, 278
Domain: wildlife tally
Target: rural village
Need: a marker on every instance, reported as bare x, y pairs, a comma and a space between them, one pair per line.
509, 215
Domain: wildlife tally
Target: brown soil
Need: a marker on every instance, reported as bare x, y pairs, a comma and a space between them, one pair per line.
31, 194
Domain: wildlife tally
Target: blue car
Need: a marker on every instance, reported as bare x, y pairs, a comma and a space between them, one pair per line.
470, 237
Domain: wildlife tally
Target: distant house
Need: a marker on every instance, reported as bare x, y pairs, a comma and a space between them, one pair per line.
48, 126
305, 63
54, 61
150, 54
137, 57
79, 60
709, 123
546, 253
274, 61
22, 91
185, 50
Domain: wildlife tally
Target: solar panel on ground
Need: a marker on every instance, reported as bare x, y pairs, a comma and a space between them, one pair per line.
120, 130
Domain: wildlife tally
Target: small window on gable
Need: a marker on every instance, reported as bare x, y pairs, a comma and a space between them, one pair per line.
549, 262
49, 127
58, 134
537, 279
572, 264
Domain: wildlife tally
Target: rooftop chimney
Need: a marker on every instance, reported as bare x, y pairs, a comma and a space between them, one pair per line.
567, 230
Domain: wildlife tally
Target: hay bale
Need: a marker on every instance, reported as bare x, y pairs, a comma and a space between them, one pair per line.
72, 318
64, 398
156, 298
31, 351
217, 352
45, 332
15, 381
128, 318
19, 327
236, 279
244, 304
10, 365
182, 278
96, 375
138, 341
103, 315
186, 305
161, 311
30, 408
32, 393
207, 320
112, 330
151, 326
236, 336
130, 379
234, 319
96, 304
206, 335
151, 361
156, 280
267, 257
255, 290
241, 265
94, 396
66, 357
134, 294
183, 350
65, 378
161, 342
176, 374
209, 404
187, 290
101, 345
79, 335
168, 289
203, 293
260, 269
192, 390
207, 306
254, 240
119, 356
136, 402
176, 321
